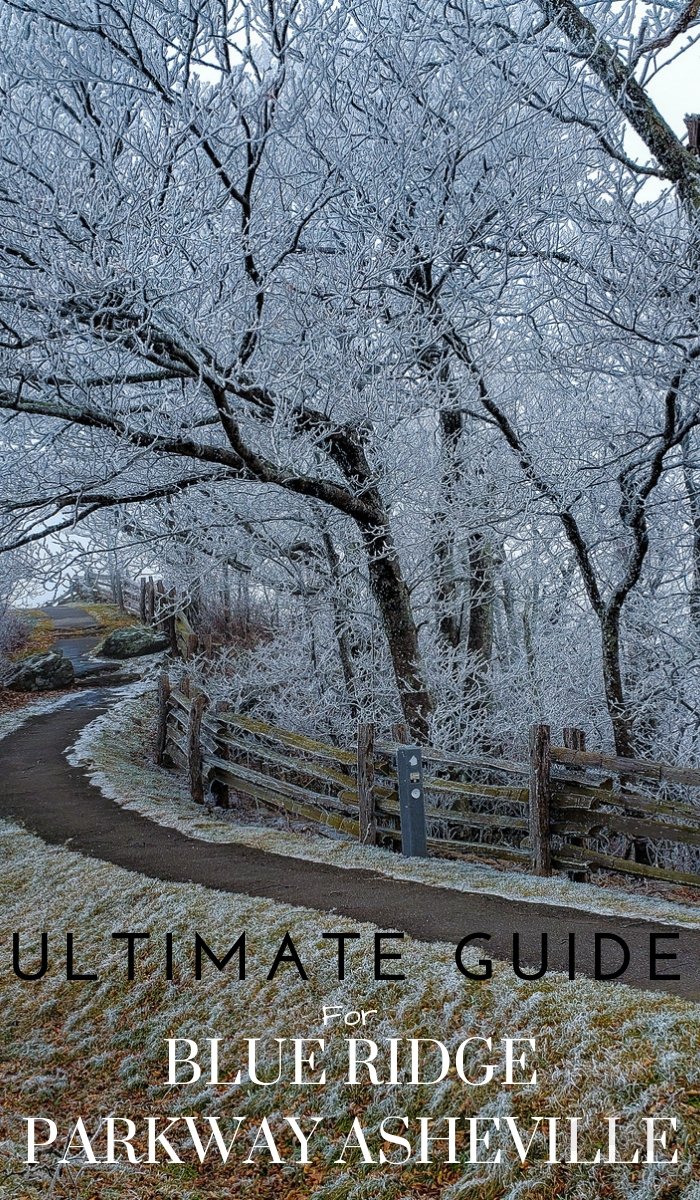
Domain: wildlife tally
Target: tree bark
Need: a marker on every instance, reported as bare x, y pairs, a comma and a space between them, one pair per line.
481, 597
621, 715
446, 591
465, 616
392, 596
693, 493
340, 622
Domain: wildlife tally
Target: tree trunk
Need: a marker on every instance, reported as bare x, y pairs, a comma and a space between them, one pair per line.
452, 598
340, 622
393, 599
480, 637
621, 716
448, 600
693, 493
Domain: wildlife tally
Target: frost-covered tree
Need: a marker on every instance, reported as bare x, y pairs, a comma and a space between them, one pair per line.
374, 310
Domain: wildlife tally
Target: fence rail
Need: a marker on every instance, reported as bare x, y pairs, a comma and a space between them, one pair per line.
553, 812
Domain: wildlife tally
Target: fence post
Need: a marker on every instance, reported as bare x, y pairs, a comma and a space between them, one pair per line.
159, 615
194, 746
150, 600
170, 625
540, 799
220, 789
365, 783
162, 731
409, 768
142, 599
118, 590
575, 739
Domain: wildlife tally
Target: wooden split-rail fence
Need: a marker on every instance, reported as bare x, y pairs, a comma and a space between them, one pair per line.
566, 808
148, 599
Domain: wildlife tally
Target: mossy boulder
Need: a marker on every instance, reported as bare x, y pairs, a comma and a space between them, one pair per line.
48, 672
132, 642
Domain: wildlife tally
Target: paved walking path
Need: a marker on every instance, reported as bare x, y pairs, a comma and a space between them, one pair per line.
69, 619
56, 801
66, 617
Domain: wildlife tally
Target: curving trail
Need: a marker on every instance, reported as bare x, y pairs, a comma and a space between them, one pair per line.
57, 802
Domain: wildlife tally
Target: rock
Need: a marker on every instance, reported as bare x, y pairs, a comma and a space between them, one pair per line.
41, 673
131, 643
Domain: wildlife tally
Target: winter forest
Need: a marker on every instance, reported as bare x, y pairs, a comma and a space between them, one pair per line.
372, 327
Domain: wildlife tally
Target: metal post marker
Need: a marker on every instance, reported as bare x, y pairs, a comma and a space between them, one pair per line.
409, 768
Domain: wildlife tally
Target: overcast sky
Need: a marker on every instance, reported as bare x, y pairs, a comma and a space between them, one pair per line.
676, 88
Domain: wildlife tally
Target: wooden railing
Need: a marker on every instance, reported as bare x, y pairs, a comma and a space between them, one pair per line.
551, 812
148, 599
170, 610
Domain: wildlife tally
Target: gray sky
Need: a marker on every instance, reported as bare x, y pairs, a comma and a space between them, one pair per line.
676, 88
